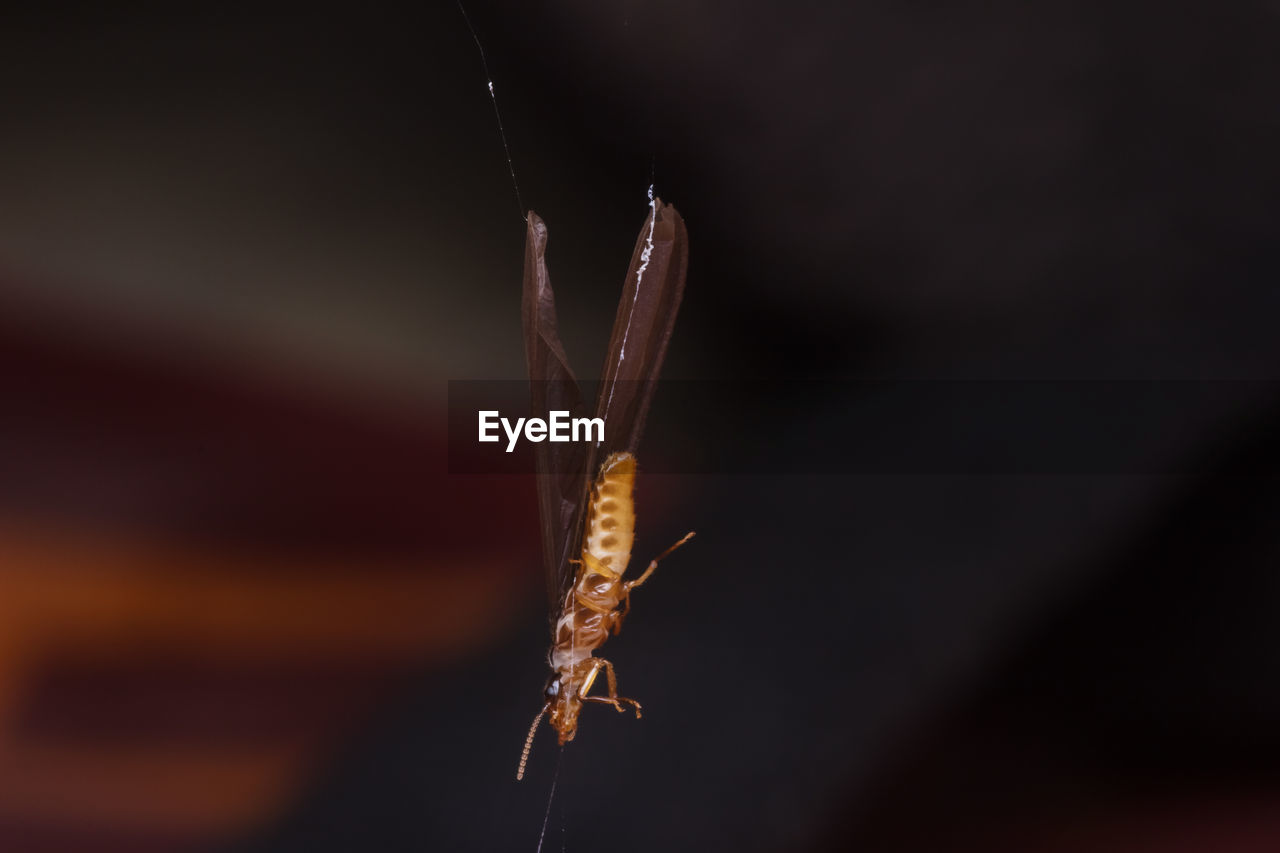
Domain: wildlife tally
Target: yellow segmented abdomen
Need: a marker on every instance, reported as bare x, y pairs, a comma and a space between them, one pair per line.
611, 521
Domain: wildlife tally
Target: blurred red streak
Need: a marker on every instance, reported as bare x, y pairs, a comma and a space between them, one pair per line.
106, 423
1222, 823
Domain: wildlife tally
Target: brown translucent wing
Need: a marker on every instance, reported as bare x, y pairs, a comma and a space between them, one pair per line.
646, 315
561, 466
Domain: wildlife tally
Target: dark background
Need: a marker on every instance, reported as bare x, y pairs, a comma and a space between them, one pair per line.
243, 250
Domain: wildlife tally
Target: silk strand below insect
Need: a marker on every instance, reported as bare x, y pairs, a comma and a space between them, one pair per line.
586, 492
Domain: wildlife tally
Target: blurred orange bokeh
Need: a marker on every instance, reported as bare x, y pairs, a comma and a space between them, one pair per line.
181, 644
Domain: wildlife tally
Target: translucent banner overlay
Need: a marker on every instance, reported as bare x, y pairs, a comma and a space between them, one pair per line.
823, 427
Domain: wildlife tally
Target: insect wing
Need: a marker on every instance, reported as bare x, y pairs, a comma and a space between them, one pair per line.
646, 316
561, 466
642, 327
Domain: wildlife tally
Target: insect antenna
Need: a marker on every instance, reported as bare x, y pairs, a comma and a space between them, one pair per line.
528, 742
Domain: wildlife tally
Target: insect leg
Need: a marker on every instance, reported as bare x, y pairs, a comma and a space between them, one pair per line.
630, 585
595, 566
613, 698
653, 564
